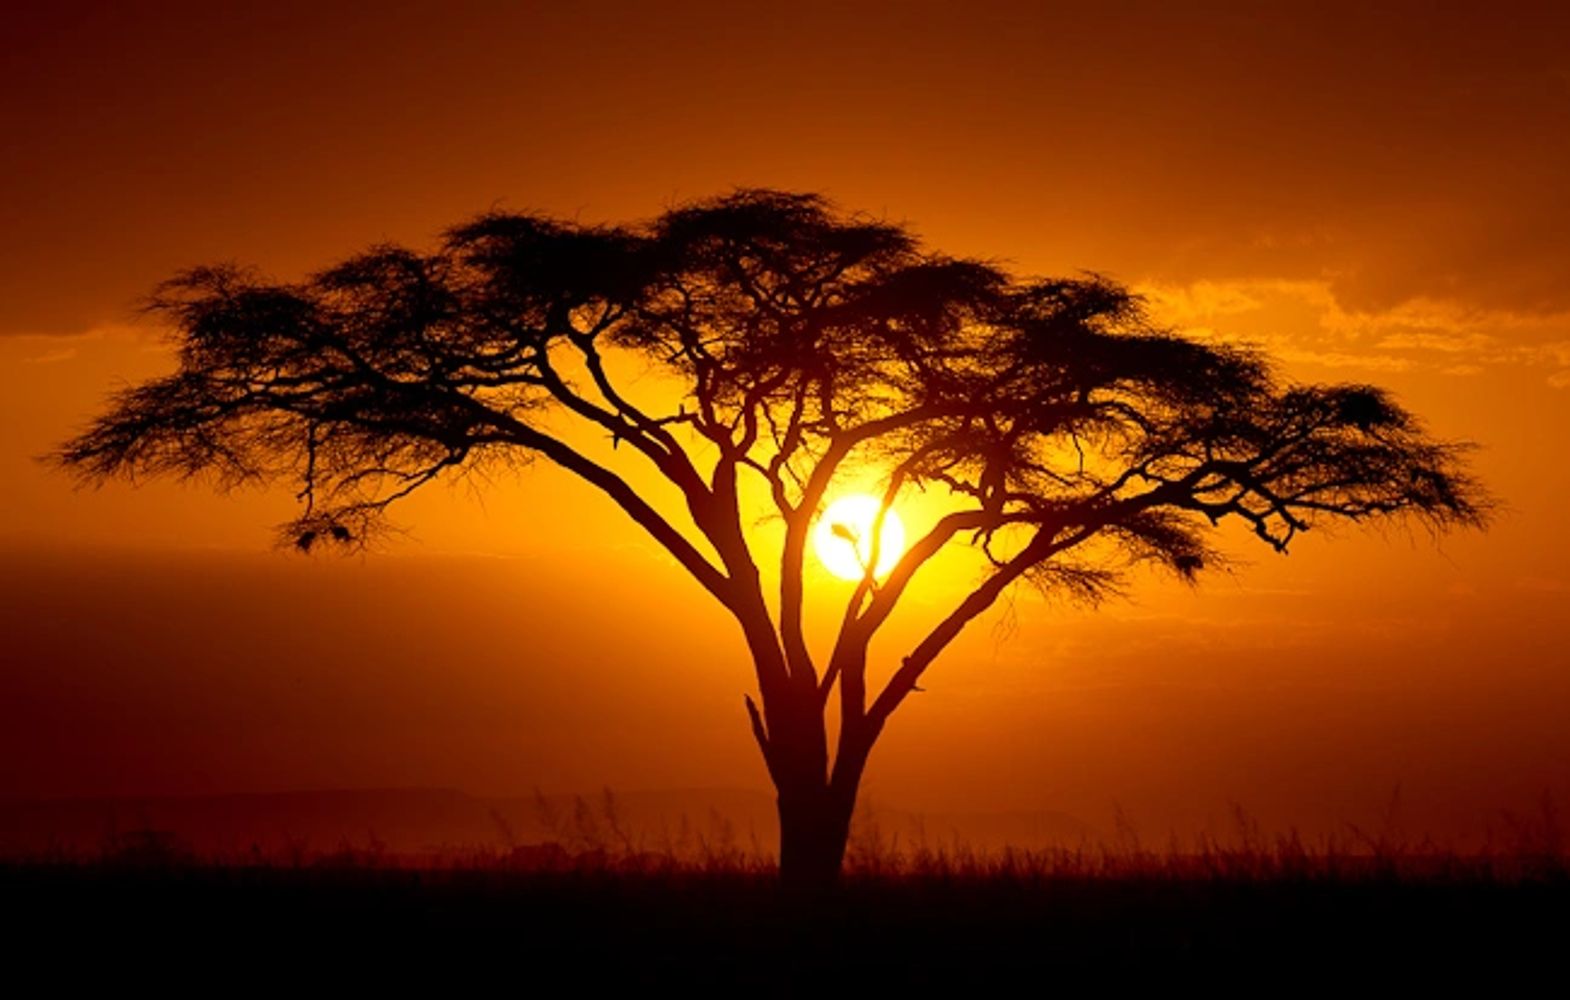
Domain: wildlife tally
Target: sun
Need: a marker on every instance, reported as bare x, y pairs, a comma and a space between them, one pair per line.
843, 537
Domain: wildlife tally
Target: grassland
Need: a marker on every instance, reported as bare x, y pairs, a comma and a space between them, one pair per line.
909, 919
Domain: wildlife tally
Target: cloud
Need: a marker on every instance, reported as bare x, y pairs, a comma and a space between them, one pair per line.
1307, 322
1346, 359
1541, 584
51, 357
85, 347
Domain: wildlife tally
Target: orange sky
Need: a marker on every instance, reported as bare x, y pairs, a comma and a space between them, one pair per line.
1374, 196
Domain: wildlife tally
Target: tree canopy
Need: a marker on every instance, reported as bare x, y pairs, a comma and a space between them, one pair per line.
1071, 435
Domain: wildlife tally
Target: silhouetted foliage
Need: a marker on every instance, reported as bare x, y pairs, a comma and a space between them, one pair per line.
1073, 437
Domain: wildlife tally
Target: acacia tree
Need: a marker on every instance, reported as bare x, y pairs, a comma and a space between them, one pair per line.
1071, 438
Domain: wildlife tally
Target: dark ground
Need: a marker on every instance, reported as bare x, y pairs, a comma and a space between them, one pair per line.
590, 931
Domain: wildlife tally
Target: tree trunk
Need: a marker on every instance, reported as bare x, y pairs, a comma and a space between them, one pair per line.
814, 830
815, 805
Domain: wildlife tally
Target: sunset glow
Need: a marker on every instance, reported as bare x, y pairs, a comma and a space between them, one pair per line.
1367, 194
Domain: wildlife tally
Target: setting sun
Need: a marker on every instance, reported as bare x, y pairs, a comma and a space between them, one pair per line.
843, 537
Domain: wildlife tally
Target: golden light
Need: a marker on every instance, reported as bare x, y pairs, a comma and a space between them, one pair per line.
843, 537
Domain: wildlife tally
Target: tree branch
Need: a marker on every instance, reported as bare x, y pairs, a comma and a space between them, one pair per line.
979, 600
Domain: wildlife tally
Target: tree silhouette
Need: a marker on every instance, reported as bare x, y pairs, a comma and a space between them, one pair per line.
1071, 438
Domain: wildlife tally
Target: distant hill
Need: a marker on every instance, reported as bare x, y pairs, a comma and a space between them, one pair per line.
446, 820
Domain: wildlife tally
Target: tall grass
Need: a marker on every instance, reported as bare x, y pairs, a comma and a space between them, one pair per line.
595, 837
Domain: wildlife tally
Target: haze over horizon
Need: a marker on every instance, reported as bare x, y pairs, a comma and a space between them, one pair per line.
1373, 195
